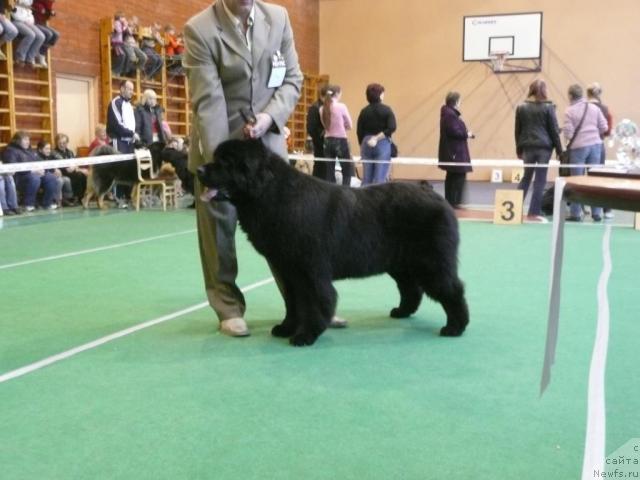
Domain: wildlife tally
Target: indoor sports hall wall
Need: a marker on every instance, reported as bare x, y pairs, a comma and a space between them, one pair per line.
414, 48
78, 51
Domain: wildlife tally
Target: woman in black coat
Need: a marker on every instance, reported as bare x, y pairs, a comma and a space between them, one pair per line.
453, 148
149, 120
536, 133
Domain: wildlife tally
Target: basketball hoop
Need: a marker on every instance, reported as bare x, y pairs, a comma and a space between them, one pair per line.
497, 60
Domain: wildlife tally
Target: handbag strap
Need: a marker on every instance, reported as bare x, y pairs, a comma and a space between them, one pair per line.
575, 134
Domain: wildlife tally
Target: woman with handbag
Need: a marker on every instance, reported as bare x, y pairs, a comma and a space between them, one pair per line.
537, 134
584, 125
454, 148
376, 124
336, 120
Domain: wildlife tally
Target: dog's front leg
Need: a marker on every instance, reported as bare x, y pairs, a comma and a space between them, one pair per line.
316, 303
289, 325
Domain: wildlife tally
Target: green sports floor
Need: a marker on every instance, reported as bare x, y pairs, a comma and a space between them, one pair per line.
382, 399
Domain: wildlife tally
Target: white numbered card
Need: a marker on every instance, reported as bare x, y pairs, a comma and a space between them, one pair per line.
496, 175
508, 207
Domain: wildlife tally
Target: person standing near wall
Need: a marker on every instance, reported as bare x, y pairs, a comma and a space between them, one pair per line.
315, 130
537, 134
121, 128
584, 125
594, 94
454, 148
240, 56
376, 124
149, 120
336, 121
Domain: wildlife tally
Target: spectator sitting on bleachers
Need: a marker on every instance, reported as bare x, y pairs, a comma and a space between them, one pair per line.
64, 192
8, 31
8, 195
29, 182
135, 55
148, 43
32, 37
120, 65
78, 175
42, 12
173, 49
100, 138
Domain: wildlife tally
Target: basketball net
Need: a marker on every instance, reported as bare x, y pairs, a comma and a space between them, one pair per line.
497, 60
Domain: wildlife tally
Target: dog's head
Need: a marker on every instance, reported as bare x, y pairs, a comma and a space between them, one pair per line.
239, 171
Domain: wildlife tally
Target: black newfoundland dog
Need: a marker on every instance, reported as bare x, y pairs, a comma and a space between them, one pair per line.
313, 232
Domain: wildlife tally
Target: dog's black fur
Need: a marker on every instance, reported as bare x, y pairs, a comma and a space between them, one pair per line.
313, 232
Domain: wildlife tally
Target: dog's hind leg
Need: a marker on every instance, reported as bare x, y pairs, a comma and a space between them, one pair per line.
410, 295
449, 291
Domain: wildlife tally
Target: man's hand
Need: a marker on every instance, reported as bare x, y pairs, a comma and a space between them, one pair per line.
259, 128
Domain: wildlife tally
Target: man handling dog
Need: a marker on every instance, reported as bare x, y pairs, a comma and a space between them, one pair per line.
244, 82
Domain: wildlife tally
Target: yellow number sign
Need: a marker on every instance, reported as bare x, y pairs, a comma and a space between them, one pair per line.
516, 175
508, 207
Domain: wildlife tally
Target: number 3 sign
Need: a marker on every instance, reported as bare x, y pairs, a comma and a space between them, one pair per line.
508, 207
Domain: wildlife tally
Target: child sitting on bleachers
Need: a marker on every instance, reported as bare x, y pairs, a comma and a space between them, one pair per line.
42, 12
174, 48
120, 64
8, 31
149, 43
132, 49
32, 37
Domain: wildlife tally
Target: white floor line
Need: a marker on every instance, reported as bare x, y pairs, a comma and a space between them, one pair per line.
594, 448
19, 372
93, 250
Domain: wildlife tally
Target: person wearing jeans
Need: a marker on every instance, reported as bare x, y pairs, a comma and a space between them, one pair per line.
8, 31
379, 151
29, 182
8, 195
536, 135
376, 124
336, 121
589, 155
32, 37
586, 147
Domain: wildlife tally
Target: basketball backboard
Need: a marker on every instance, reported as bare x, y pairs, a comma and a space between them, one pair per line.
519, 35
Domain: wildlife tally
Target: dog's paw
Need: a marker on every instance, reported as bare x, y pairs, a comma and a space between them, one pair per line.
398, 313
282, 330
302, 339
451, 331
